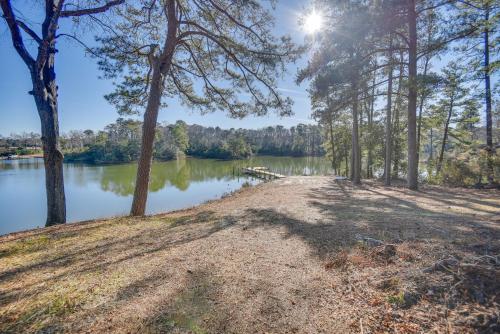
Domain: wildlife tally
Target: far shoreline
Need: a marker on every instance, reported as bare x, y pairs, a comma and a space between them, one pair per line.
21, 157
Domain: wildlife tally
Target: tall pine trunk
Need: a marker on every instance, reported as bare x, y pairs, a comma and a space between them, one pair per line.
356, 159
388, 123
487, 83
412, 97
371, 110
397, 123
148, 136
160, 67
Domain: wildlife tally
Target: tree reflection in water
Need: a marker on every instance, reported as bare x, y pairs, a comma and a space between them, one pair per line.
180, 173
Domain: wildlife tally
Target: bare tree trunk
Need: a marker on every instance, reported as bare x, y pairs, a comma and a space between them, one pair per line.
369, 163
420, 109
412, 97
351, 167
361, 107
356, 177
332, 144
346, 160
431, 156
397, 124
445, 136
388, 124
489, 122
45, 95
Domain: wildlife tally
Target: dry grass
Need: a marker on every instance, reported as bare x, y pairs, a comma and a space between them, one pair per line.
282, 257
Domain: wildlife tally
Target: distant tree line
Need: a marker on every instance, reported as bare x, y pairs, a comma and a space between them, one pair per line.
20, 144
120, 142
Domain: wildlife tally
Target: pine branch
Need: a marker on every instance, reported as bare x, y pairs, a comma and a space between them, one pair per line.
89, 11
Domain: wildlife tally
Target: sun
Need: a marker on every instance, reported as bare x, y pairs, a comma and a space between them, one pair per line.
313, 22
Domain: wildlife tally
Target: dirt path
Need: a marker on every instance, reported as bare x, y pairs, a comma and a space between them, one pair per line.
282, 257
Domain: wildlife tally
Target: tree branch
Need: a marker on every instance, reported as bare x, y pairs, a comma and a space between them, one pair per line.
85, 46
17, 39
30, 32
89, 11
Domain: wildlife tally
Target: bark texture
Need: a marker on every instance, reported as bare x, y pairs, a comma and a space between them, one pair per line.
388, 124
148, 136
412, 98
487, 83
356, 158
45, 94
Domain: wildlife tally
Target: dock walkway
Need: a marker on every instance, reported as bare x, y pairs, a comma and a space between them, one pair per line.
262, 172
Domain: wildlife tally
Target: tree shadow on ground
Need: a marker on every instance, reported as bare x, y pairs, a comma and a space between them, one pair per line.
474, 199
104, 254
195, 299
349, 212
193, 309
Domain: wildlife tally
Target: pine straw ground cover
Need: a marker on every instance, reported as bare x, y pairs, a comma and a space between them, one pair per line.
298, 255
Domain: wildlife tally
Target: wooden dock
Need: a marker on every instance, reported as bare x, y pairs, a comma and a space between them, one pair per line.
262, 172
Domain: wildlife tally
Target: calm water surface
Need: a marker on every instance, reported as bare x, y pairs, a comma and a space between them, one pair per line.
105, 191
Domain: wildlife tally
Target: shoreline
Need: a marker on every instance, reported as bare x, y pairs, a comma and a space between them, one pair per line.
21, 157
187, 210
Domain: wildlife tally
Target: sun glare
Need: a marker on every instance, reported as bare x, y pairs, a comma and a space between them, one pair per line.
313, 22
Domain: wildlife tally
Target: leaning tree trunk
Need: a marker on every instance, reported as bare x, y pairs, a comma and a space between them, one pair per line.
148, 136
489, 122
45, 95
412, 98
160, 67
445, 137
388, 124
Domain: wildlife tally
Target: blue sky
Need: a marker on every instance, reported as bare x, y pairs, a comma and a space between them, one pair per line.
81, 102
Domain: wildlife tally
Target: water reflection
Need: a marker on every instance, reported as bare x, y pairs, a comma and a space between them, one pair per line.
119, 179
32, 163
103, 191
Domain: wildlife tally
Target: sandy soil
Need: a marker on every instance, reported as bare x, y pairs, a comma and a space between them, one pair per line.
297, 255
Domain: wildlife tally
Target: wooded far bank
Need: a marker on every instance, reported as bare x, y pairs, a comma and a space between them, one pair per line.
463, 157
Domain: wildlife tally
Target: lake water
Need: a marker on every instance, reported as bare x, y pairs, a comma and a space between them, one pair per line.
106, 191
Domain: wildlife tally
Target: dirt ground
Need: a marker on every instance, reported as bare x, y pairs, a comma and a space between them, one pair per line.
297, 255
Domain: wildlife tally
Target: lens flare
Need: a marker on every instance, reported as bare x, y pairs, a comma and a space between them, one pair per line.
313, 22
